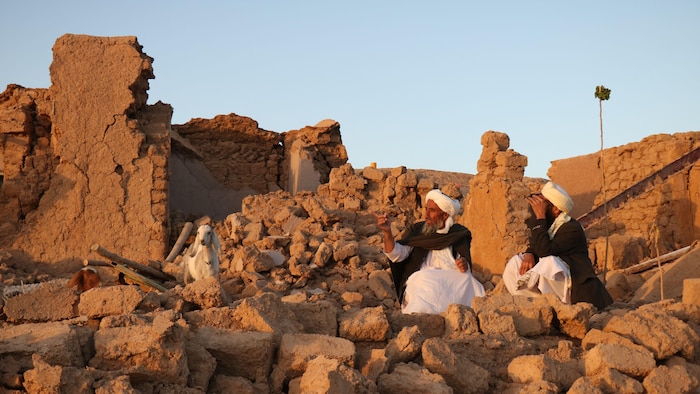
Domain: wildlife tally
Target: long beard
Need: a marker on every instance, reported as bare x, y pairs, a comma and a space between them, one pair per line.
429, 228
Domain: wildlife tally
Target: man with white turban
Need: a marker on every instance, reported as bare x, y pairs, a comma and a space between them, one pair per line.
556, 260
431, 264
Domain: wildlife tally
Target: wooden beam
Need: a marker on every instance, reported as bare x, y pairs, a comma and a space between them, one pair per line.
129, 263
651, 263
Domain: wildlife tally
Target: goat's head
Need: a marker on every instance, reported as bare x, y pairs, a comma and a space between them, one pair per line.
207, 237
204, 234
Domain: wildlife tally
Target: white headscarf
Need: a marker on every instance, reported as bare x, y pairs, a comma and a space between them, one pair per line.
560, 199
558, 196
447, 204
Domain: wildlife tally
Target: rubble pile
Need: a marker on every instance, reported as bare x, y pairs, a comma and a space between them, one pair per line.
304, 303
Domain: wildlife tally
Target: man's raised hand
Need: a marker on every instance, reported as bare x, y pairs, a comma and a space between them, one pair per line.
383, 221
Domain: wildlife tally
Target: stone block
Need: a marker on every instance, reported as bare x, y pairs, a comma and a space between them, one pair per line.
412, 378
201, 365
406, 346
49, 301
613, 381
316, 317
691, 291
324, 375
267, 313
56, 343
366, 324
110, 300
674, 379
628, 360
533, 368
247, 354
531, 316
430, 325
296, 350
146, 351
440, 359
45, 378
660, 332
460, 320
381, 284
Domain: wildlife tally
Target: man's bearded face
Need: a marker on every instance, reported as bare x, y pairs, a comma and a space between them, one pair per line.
434, 218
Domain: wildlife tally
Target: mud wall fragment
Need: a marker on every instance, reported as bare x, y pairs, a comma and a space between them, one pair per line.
108, 166
27, 155
669, 206
310, 155
495, 209
218, 162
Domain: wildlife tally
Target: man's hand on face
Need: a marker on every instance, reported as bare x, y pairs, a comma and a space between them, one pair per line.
539, 205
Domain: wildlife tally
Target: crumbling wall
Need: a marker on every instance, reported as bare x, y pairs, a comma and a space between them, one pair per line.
238, 153
669, 207
310, 154
218, 162
495, 207
97, 151
28, 159
87, 161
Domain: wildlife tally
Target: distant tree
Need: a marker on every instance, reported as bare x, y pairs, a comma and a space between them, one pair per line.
603, 93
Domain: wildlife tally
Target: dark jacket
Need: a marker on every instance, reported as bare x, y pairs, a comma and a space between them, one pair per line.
458, 237
570, 245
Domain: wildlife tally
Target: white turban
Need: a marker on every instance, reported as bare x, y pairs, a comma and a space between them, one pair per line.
446, 204
558, 197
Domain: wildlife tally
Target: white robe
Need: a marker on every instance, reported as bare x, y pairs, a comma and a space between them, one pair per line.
549, 275
437, 284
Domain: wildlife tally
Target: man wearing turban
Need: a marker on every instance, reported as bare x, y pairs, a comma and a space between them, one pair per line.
431, 264
556, 260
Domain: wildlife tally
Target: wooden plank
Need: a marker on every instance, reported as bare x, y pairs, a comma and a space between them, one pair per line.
651, 263
129, 263
184, 234
137, 278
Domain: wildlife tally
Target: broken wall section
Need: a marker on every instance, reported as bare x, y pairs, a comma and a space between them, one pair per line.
496, 209
28, 159
102, 151
310, 155
670, 206
218, 162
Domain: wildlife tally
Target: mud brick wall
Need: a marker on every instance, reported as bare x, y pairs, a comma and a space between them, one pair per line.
99, 156
670, 206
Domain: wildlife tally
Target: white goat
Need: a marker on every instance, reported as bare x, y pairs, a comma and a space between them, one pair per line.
201, 259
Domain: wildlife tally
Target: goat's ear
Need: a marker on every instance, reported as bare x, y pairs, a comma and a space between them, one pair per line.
194, 248
215, 239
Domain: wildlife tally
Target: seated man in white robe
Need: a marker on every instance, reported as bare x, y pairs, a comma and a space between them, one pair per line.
431, 264
556, 260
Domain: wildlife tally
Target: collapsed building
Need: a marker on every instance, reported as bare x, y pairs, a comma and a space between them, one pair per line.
87, 162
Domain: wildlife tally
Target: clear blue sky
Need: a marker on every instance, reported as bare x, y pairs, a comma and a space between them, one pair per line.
412, 83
